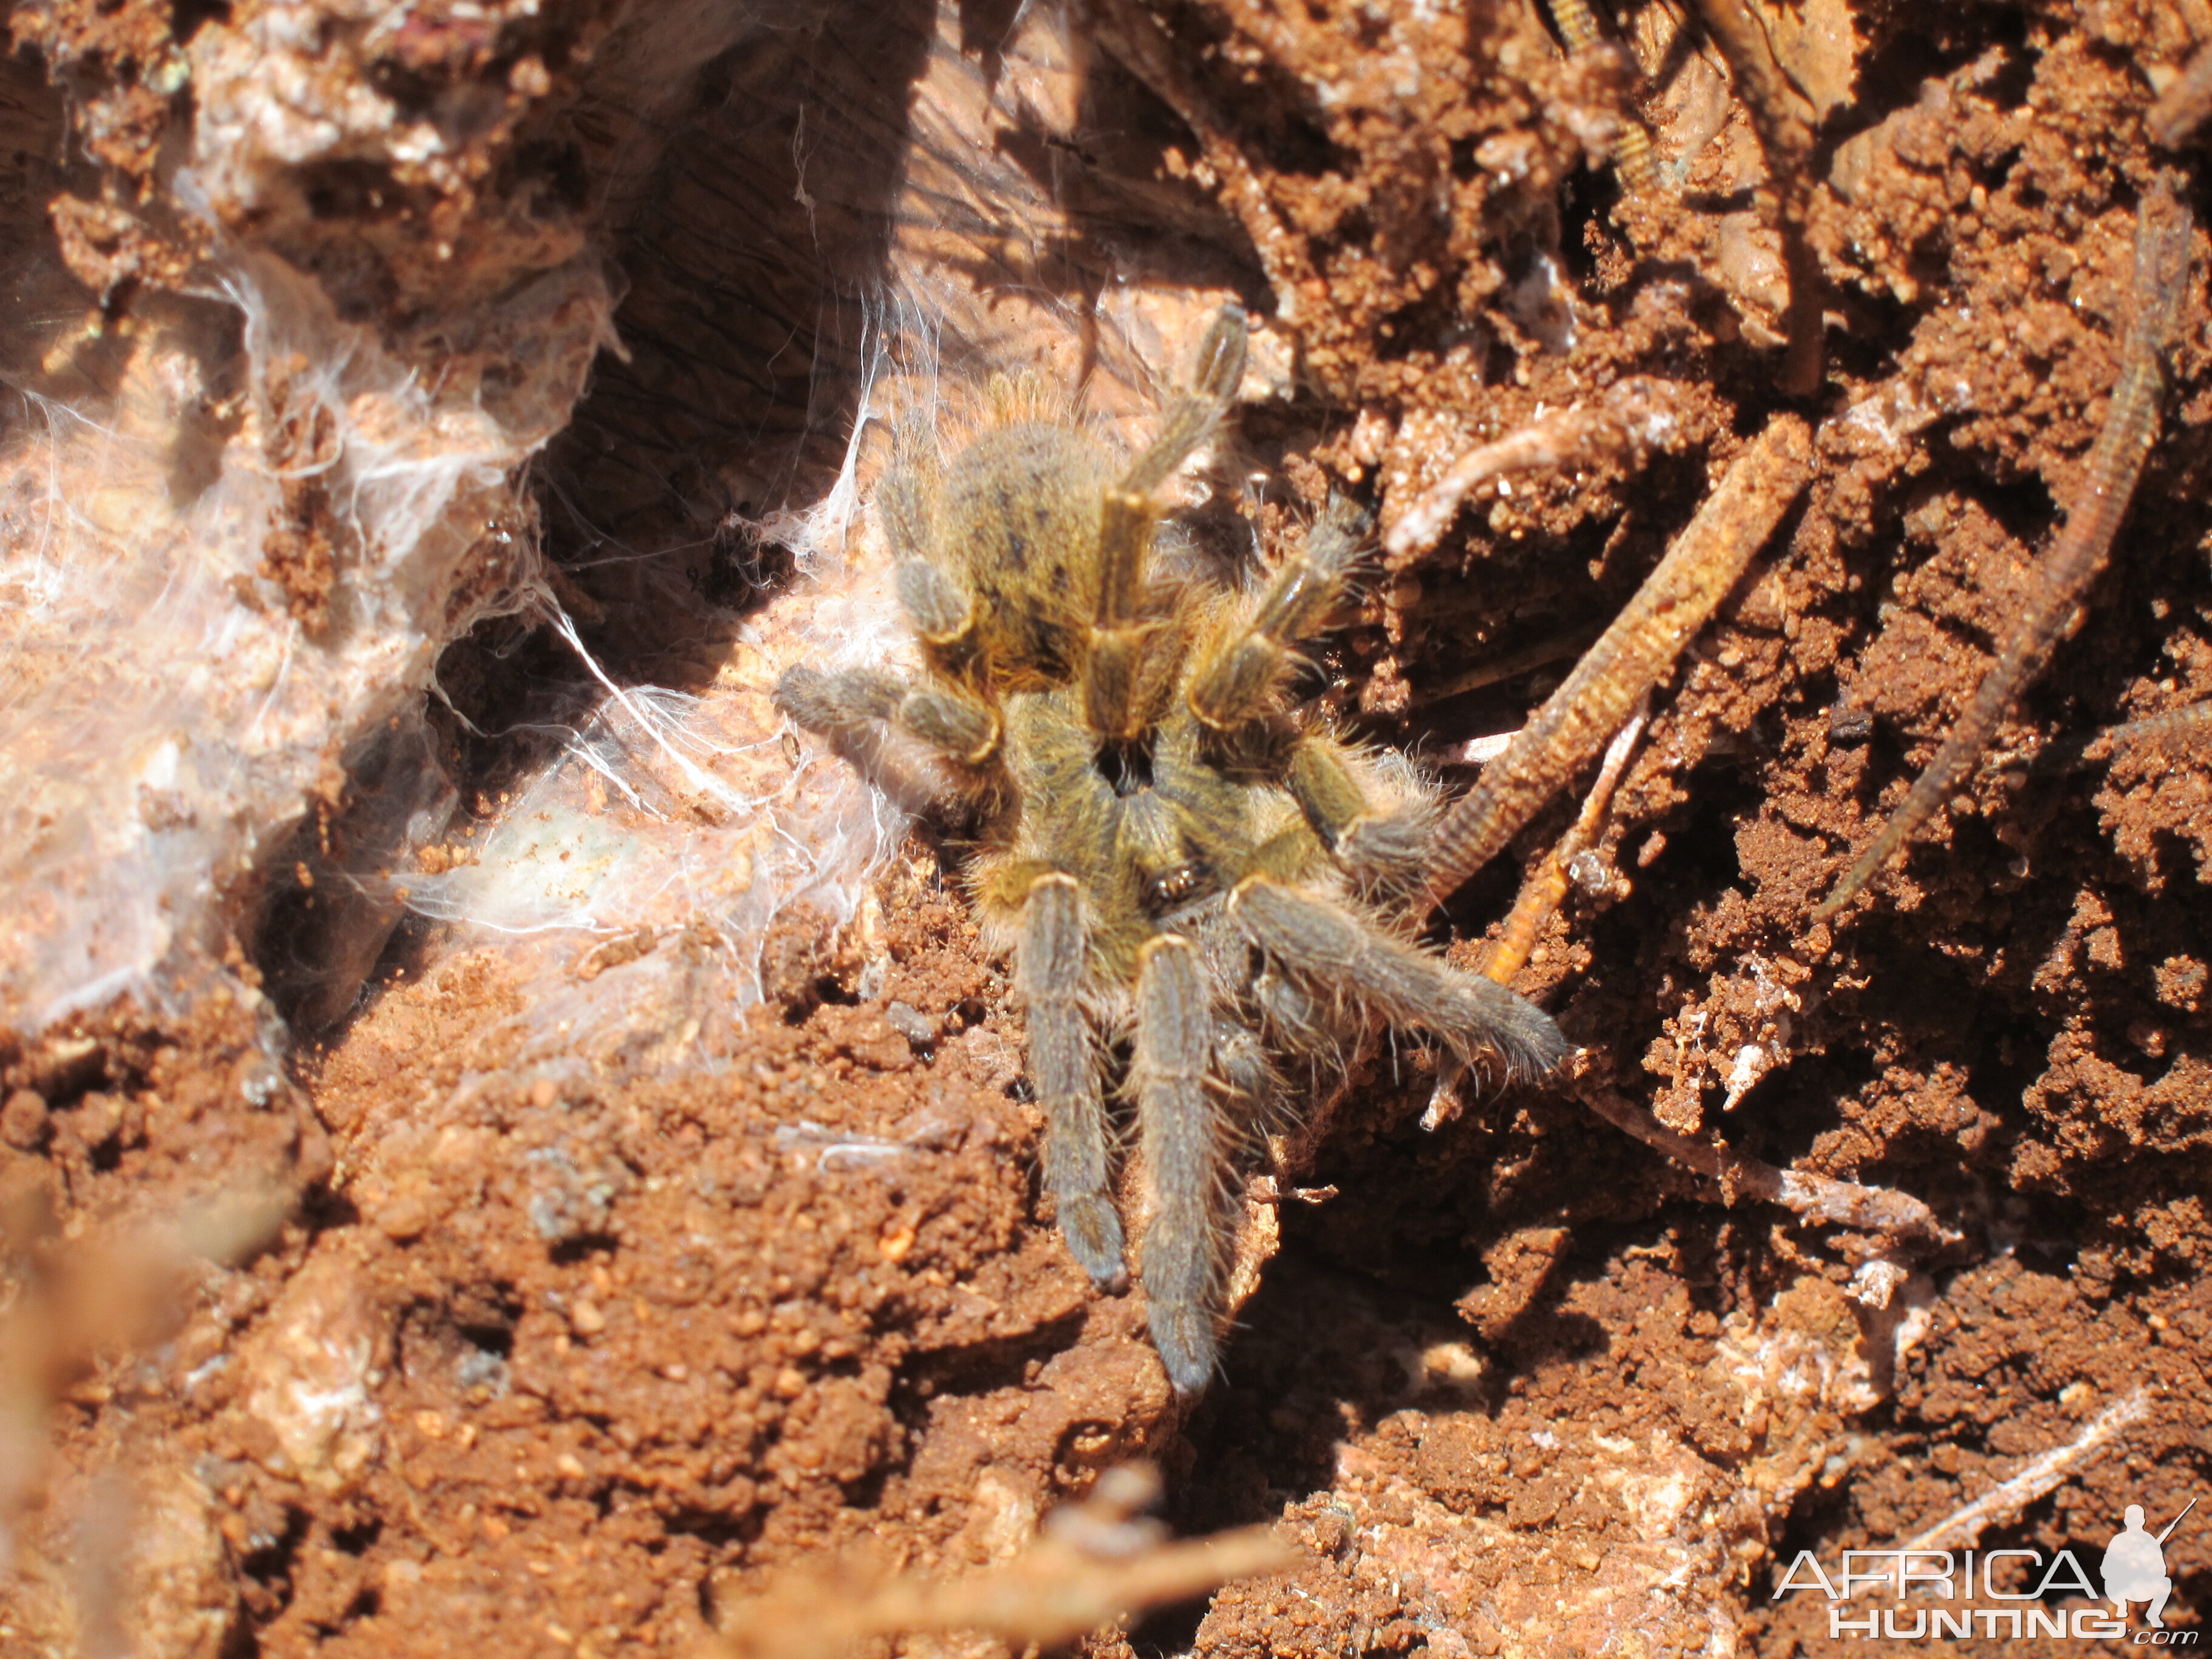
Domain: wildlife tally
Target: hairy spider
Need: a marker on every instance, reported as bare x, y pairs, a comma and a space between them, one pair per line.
1186, 868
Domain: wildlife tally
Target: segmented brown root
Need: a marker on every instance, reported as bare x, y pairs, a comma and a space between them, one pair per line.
1672, 606
2189, 724
1632, 150
2172, 731
1819, 1198
1547, 885
1639, 413
1784, 121
2163, 228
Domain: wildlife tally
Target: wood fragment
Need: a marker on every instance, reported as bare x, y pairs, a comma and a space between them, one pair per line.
2163, 231
1698, 571
1638, 413
1546, 886
1784, 122
1820, 1199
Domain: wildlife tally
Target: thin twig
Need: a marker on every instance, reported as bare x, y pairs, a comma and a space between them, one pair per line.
1820, 1199
2000, 1504
1546, 884
1094, 1562
1639, 413
1511, 666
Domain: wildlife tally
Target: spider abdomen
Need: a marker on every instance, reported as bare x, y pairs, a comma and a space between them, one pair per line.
1021, 508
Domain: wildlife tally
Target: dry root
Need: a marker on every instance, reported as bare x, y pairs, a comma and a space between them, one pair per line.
2001, 1505
1820, 1199
1095, 1562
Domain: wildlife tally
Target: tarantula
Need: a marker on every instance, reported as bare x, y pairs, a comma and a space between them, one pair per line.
1186, 868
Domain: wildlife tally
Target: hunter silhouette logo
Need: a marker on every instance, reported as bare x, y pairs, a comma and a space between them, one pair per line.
2134, 1566
1920, 1594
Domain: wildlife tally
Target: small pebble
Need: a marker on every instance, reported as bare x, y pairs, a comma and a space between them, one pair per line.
23, 1119
912, 1023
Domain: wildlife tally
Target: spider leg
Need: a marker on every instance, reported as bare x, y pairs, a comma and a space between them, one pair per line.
942, 610
1195, 413
1120, 695
1332, 952
1240, 677
1249, 1082
838, 702
1182, 1146
1116, 703
1390, 846
1064, 1069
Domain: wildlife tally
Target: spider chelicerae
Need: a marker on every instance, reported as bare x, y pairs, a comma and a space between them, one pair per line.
1189, 871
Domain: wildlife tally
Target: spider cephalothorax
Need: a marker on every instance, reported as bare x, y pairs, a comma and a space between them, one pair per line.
1184, 867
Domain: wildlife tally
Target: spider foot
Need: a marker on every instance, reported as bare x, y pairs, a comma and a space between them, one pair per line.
1093, 1231
1182, 1333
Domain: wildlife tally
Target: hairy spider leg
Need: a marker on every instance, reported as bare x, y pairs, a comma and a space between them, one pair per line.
1389, 847
837, 703
942, 611
1177, 1118
1124, 686
1333, 952
1199, 411
947, 715
944, 716
1114, 700
1240, 679
1244, 1076
1064, 1064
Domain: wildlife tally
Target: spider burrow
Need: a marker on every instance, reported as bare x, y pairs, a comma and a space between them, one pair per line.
1188, 869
